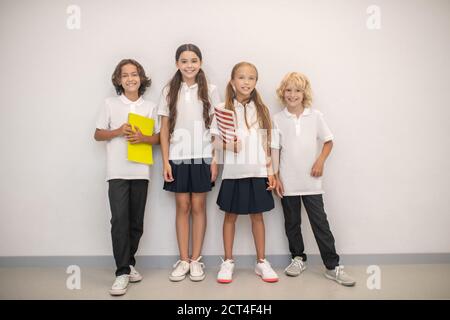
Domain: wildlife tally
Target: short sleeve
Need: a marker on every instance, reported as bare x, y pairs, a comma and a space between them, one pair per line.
104, 117
276, 137
323, 132
163, 108
214, 98
154, 116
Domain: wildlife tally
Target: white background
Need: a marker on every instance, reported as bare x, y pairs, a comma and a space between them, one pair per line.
385, 95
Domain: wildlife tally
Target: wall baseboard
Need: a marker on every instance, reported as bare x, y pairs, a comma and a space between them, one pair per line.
246, 261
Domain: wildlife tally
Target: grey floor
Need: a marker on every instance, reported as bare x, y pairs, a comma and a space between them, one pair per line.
430, 281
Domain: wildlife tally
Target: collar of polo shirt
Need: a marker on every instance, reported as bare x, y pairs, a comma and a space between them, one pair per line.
127, 101
306, 112
186, 87
251, 104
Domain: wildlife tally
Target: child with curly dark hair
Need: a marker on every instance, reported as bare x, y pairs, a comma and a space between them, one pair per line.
128, 181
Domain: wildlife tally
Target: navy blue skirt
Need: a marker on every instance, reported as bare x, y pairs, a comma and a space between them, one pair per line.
245, 196
190, 175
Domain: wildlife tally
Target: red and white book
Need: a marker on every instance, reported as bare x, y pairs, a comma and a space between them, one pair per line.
226, 123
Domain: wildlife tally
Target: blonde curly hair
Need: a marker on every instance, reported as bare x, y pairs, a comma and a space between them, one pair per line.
298, 80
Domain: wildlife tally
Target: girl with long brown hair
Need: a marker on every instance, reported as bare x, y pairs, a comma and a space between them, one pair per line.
247, 178
185, 108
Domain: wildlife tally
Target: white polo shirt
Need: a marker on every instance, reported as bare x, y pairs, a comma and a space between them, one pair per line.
190, 139
250, 162
112, 115
298, 140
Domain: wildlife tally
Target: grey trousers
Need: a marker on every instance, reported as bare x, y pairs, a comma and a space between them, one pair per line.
319, 224
127, 200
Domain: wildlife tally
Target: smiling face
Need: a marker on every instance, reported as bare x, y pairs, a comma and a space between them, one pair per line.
129, 79
293, 96
244, 82
189, 65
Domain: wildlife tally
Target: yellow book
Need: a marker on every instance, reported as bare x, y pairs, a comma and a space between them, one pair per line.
141, 152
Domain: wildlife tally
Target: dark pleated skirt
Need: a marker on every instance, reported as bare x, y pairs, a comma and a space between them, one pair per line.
245, 196
190, 175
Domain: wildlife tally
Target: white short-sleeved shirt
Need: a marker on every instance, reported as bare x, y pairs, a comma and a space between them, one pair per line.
113, 114
298, 140
251, 161
190, 138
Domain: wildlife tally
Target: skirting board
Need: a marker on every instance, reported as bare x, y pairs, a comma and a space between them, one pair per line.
244, 261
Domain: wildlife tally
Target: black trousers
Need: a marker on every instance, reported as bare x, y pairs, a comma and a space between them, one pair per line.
127, 200
319, 224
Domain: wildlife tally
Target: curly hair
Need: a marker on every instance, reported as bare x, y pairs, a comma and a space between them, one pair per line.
299, 81
116, 76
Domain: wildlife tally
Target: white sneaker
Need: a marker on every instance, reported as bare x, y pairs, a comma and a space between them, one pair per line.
196, 272
225, 274
296, 267
120, 285
180, 271
340, 276
265, 271
135, 276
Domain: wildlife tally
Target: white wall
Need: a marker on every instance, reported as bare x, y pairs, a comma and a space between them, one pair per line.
385, 94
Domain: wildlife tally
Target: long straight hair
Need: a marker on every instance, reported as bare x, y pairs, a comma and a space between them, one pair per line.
175, 84
263, 114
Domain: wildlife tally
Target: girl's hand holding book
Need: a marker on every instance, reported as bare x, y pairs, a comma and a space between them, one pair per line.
236, 146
